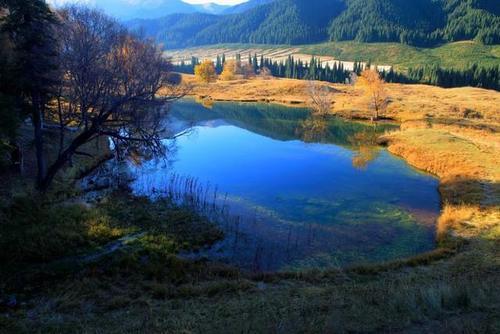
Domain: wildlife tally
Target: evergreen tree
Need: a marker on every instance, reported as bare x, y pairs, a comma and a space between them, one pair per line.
30, 26
218, 65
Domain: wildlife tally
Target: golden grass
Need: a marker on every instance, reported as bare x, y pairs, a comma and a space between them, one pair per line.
468, 172
452, 215
408, 102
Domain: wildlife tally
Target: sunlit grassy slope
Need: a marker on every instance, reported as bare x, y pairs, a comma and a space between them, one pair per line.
457, 54
401, 56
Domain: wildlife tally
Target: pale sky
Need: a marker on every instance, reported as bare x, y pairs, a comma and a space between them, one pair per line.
222, 2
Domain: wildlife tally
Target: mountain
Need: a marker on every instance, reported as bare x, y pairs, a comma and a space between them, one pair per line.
415, 22
243, 7
174, 30
151, 9
375, 20
279, 22
212, 8
418, 22
145, 9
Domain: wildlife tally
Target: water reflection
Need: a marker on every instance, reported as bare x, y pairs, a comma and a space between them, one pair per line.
297, 190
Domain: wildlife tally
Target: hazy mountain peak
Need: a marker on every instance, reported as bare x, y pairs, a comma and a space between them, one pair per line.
146, 9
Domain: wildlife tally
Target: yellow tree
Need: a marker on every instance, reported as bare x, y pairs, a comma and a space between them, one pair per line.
374, 88
205, 72
231, 68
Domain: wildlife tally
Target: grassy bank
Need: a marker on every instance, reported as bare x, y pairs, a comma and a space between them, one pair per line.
407, 102
145, 288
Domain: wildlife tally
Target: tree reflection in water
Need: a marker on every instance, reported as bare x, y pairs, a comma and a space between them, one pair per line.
363, 143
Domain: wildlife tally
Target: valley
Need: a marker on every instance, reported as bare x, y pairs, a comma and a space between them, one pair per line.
261, 166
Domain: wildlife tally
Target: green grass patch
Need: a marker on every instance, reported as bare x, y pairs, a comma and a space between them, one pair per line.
401, 56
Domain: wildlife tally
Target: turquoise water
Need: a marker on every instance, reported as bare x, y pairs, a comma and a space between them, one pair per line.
310, 192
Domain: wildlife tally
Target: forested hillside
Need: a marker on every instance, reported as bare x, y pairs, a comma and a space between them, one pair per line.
418, 22
388, 20
176, 30
245, 6
280, 22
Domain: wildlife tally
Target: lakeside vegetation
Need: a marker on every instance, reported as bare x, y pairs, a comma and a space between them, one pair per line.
314, 69
73, 260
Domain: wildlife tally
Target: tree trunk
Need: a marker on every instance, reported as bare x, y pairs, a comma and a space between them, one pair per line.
38, 132
64, 157
61, 125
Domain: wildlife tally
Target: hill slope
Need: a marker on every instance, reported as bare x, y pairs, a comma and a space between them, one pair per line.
176, 30
279, 22
418, 22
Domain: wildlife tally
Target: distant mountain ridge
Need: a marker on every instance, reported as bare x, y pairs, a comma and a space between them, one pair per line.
212, 8
415, 22
151, 9
243, 7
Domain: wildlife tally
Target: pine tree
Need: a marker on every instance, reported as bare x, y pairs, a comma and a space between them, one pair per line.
30, 26
218, 65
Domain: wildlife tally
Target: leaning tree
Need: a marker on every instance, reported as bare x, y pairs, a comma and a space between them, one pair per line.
109, 85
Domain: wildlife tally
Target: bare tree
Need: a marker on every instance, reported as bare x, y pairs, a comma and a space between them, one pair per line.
320, 98
110, 85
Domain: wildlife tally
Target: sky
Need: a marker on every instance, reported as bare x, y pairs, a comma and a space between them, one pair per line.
221, 2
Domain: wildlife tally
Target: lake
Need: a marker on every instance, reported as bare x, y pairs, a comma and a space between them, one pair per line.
300, 191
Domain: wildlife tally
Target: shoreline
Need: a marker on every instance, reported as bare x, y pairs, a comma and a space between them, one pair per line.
447, 147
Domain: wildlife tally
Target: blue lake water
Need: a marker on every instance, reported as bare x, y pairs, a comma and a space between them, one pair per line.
309, 192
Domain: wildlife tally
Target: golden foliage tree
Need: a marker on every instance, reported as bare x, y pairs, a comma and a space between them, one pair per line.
231, 68
205, 72
374, 88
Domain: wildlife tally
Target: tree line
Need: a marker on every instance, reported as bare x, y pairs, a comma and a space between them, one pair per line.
474, 75
78, 76
290, 68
